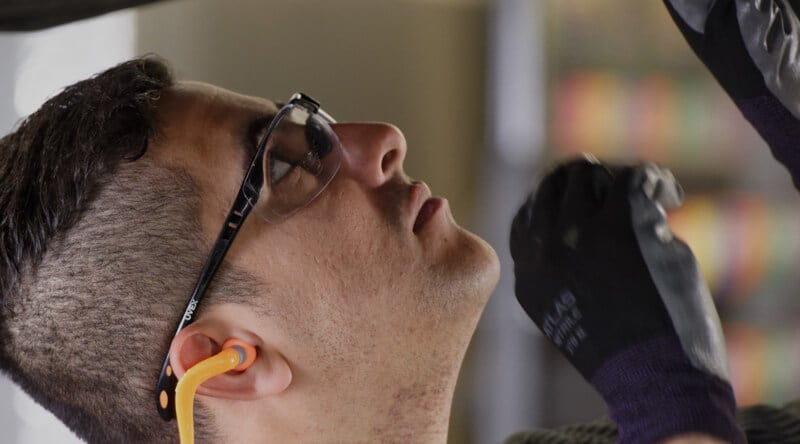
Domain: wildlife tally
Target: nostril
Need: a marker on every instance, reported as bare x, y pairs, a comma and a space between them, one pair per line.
388, 160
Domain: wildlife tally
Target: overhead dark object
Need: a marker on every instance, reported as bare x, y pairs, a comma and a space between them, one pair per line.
30, 15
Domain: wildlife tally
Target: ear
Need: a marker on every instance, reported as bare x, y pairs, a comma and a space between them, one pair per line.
269, 375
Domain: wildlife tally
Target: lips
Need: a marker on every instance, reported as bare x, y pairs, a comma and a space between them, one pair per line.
424, 206
429, 208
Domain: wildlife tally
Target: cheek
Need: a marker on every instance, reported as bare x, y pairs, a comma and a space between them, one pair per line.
353, 249
342, 259
352, 252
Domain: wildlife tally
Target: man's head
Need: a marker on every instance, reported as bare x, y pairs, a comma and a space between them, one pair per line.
358, 313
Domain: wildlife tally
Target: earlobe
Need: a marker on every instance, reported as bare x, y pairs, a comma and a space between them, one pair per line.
268, 375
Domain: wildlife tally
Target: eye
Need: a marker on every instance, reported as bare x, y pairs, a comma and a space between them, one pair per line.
278, 168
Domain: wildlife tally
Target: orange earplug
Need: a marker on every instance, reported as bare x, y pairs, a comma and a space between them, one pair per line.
235, 355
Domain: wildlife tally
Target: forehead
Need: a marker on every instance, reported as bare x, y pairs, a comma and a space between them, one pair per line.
188, 101
199, 119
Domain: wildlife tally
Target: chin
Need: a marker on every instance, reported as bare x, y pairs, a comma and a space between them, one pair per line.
471, 274
486, 268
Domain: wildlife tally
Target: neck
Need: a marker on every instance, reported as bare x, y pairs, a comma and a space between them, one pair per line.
413, 413
417, 413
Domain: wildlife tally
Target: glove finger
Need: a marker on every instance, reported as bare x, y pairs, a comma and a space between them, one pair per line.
588, 183
652, 191
536, 218
662, 188
587, 186
770, 32
567, 197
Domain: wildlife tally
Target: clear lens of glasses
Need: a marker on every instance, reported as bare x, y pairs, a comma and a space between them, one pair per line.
301, 156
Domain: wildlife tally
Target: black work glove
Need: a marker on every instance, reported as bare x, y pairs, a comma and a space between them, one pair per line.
600, 273
752, 47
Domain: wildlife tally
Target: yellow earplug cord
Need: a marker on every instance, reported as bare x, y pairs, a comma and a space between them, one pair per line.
232, 357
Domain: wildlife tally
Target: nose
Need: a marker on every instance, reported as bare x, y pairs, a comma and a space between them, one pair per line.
373, 152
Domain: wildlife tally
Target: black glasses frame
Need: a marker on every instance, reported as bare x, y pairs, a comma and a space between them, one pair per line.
245, 199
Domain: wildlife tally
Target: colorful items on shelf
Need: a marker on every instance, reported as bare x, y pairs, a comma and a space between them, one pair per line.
657, 117
764, 363
742, 243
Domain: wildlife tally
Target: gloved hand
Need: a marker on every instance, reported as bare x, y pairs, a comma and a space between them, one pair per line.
752, 47
600, 273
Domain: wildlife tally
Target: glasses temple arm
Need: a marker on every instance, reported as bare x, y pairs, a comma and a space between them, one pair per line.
165, 391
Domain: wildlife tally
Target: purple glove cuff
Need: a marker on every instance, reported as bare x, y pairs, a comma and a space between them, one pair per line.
653, 392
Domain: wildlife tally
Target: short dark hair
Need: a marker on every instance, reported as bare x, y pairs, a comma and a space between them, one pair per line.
50, 167
99, 249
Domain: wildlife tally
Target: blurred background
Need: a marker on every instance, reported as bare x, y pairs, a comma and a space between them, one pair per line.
489, 94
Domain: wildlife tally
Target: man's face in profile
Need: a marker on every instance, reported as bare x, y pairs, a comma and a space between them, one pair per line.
371, 282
